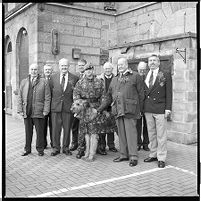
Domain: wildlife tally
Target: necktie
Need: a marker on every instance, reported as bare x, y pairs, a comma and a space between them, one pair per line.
63, 81
151, 79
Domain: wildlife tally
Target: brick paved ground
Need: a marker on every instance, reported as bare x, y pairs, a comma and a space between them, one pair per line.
66, 176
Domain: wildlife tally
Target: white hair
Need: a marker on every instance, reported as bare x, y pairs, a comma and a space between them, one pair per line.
63, 60
108, 64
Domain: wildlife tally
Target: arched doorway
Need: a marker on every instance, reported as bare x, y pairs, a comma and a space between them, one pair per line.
8, 66
22, 48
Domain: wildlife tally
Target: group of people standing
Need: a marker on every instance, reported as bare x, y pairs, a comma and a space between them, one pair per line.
140, 102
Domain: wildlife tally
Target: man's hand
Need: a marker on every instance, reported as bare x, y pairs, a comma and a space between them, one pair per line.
45, 113
167, 113
21, 114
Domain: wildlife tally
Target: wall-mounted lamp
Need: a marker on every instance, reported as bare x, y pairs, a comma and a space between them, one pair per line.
76, 53
24, 32
55, 42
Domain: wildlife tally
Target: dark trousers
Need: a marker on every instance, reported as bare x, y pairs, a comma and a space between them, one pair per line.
75, 129
102, 141
61, 120
39, 126
48, 123
127, 133
139, 126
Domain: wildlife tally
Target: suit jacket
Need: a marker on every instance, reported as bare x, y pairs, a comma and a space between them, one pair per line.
41, 97
159, 97
62, 101
125, 95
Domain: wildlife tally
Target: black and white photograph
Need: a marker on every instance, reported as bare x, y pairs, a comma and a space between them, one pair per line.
100, 99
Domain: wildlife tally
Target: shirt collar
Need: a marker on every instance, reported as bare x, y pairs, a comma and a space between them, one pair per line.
155, 71
108, 77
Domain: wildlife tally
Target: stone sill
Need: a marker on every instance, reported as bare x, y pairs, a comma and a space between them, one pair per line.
155, 40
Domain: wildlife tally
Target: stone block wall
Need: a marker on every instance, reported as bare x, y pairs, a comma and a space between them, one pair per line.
153, 21
85, 30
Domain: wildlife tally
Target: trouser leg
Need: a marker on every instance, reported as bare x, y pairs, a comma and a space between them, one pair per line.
101, 141
39, 125
139, 131
110, 140
45, 130
161, 123
67, 124
56, 130
131, 136
145, 132
122, 138
75, 129
151, 127
28, 133
50, 128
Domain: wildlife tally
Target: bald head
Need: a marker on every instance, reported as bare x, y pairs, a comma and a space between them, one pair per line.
122, 64
33, 70
63, 65
142, 68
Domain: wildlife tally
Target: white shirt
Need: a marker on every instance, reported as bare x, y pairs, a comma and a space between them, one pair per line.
66, 80
155, 73
108, 77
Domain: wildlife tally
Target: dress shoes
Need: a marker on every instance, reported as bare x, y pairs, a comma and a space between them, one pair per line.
133, 163
119, 159
67, 152
161, 164
80, 154
55, 153
73, 147
101, 152
150, 159
25, 153
41, 153
146, 148
113, 149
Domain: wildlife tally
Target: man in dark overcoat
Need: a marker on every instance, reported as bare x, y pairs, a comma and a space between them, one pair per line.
126, 94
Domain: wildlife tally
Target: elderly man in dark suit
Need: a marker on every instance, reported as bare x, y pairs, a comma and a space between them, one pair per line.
62, 85
157, 108
125, 94
34, 104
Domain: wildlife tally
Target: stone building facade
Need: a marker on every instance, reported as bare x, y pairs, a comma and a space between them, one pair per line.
97, 32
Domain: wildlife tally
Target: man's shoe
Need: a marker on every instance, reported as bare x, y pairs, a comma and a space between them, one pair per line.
150, 159
138, 147
40, 153
67, 152
73, 147
55, 153
161, 164
113, 149
133, 163
119, 159
25, 153
101, 152
146, 148
80, 154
